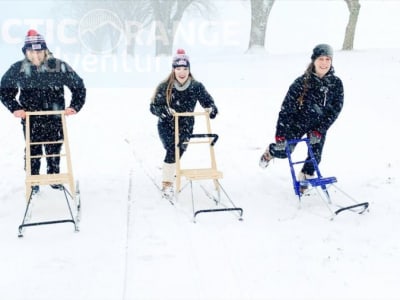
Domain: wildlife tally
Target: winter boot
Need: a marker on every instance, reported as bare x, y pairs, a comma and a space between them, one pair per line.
265, 159
35, 189
167, 190
57, 186
168, 178
303, 180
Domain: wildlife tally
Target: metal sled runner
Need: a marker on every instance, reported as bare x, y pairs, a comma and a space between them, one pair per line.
72, 195
209, 173
319, 182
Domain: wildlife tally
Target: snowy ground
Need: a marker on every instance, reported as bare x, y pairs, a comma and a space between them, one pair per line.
134, 245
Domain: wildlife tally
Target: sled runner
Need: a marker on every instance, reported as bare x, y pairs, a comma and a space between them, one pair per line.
71, 195
208, 173
320, 183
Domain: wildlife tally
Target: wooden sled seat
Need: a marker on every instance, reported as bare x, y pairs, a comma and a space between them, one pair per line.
45, 179
201, 174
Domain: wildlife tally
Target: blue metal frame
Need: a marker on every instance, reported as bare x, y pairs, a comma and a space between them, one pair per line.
314, 182
319, 181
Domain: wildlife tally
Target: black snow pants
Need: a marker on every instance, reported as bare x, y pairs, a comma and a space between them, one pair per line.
45, 129
166, 132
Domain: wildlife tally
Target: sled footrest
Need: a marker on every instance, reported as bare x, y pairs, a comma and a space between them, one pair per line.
44, 179
321, 181
200, 174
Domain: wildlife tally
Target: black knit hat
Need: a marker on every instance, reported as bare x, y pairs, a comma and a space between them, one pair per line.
180, 59
322, 50
34, 41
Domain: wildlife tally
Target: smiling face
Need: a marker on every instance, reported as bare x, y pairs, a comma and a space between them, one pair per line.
35, 57
181, 74
322, 65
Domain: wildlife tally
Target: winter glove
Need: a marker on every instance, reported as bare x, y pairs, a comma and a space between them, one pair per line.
171, 111
213, 111
315, 137
168, 113
280, 143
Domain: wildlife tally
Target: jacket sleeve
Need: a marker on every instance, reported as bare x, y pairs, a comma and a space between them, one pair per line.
333, 107
204, 98
289, 107
9, 89
158, 105
76, 86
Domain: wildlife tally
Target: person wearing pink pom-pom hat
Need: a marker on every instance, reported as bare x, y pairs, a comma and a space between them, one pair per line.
179, 92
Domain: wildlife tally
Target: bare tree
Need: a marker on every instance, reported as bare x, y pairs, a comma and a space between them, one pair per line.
354, 10
260, 10
136, 16
167, 16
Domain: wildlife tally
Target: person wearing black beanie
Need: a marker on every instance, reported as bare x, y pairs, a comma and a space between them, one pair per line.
312, 104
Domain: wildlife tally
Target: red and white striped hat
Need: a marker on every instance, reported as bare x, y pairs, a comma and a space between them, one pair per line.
34, 41
180, 59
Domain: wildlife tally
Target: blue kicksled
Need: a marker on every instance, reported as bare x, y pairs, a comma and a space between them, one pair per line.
319, 182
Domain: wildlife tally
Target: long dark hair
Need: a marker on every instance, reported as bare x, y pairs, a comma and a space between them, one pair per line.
307, 76
170, 84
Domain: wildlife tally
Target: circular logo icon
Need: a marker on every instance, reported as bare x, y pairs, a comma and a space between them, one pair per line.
101, 31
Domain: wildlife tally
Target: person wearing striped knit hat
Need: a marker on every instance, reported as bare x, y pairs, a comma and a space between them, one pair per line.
36, 83
179, 92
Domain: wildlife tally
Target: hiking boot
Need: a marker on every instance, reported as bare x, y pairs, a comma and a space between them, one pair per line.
35, 189
265, 159
167, 190
302, 178
56, 186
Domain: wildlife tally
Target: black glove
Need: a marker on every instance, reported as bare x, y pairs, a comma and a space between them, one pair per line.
213, 111
168, 113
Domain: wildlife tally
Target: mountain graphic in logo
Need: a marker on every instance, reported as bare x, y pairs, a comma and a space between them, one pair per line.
100, 31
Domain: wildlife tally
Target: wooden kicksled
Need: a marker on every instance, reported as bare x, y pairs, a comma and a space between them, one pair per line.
71, 194
207, 173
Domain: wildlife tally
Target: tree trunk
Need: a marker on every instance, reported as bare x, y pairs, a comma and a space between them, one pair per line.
354, 10
166, 23
260, 10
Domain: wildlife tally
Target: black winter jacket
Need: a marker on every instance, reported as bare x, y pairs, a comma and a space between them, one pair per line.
323, 101
181, 101
41, 88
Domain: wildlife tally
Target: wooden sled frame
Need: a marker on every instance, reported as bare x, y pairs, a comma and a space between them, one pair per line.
72, 195
208, 173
